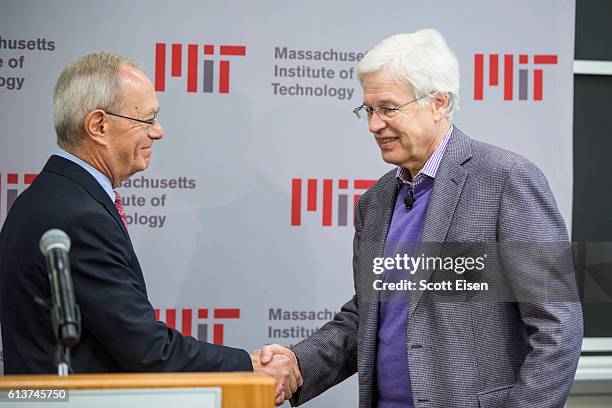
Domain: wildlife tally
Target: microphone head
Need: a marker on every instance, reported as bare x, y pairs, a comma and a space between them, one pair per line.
54, 238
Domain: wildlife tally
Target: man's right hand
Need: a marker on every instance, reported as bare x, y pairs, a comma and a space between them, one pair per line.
280, 363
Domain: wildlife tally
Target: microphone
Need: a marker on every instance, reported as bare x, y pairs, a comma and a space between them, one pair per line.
409, 200
65, 314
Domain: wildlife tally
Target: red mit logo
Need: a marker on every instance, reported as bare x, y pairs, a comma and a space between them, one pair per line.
327, 199
191, 316
523, 73
13, 187
193, 51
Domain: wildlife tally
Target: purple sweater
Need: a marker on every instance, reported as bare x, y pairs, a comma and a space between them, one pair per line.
392, 371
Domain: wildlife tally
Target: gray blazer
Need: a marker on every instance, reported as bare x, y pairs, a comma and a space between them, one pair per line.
465, 351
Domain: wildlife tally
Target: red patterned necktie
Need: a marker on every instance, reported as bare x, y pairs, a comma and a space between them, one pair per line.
119, 207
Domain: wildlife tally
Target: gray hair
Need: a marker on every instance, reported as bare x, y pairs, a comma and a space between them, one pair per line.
91, 82
422, 60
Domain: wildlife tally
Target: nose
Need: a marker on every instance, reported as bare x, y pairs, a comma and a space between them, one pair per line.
375, 123
157, 131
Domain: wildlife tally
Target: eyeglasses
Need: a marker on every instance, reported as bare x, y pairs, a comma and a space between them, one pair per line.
151, 122
383, 112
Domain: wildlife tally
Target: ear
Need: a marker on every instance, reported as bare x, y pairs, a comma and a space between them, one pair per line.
440, 105
96, 127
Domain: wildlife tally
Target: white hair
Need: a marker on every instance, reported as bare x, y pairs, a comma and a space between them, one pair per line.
91, 82
422, 60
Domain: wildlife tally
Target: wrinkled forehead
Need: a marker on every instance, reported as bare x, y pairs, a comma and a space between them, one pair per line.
138, 94
382, 86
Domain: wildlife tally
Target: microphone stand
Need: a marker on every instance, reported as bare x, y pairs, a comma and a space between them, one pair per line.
62, 359
65, 313
62, 348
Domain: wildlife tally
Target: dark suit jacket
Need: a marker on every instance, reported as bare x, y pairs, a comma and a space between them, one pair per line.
119, 332
465, 349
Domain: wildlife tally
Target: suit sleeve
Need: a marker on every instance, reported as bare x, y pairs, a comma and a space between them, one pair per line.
329, 356
115, 308
536, 256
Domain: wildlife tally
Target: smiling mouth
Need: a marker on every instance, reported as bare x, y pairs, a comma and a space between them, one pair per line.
386, 143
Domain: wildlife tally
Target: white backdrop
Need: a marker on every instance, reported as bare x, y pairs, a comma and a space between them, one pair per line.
225, 179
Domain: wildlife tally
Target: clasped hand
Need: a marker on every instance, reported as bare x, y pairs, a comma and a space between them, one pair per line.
280, 363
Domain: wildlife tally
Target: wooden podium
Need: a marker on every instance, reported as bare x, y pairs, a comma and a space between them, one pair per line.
149, 390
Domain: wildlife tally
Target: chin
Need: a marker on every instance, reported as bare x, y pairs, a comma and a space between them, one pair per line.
145, 162
389, 158
139, 167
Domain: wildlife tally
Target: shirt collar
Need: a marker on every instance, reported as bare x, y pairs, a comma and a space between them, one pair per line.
431, 166
104, 181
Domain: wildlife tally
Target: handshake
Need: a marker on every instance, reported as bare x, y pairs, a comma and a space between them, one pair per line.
280, 363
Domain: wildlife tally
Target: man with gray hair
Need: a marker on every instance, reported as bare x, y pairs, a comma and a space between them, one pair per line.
413, 342
105, 113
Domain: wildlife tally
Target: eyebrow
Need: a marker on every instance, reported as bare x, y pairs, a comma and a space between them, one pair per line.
387, 102
384, 102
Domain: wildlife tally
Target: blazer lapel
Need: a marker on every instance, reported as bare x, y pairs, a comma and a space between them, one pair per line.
76, 173
388, 196
381, 205
448, 185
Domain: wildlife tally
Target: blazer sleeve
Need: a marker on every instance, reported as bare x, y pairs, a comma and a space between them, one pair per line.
537, 260
329, 356
111, 294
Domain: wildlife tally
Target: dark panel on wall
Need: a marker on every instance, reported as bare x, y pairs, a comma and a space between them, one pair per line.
592, 208
593, 30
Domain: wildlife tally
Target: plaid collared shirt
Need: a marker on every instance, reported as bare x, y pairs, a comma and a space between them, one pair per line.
429, 169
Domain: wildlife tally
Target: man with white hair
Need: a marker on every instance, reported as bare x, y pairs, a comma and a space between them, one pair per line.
105, 113
427, 346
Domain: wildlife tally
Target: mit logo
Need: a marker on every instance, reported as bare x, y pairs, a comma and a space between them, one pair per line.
192, 318
508, 84
10, 186
208, 70
312, 202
